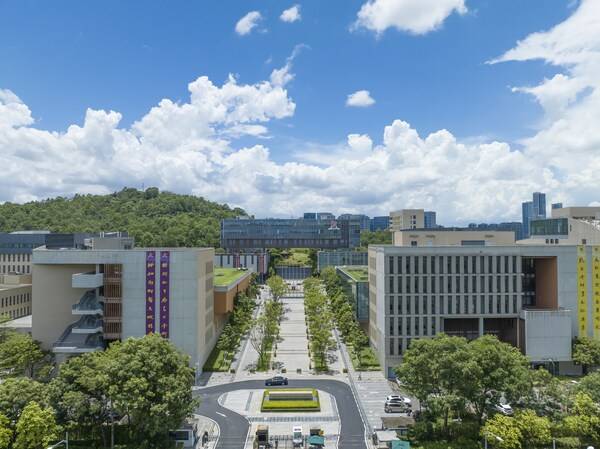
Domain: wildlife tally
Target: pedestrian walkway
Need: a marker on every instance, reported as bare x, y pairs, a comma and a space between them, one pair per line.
292, 348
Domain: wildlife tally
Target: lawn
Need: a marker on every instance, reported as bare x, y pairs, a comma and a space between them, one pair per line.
225, 276
216, 362
358, 273
296, 257
290, 405
365, 361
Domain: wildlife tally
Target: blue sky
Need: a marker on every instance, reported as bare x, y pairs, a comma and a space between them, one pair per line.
61, 58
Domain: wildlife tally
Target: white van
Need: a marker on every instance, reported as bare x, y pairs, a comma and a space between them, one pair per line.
297, 438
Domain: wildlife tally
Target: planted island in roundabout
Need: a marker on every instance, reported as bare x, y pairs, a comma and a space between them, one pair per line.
291, 400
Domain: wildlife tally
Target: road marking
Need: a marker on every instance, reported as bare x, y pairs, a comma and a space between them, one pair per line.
222, 414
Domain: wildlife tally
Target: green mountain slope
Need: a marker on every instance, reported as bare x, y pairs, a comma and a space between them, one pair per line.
154, 218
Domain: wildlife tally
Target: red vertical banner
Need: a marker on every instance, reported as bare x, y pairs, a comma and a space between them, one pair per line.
164, 293
150, 290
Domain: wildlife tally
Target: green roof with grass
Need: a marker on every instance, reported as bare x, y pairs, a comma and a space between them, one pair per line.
227, 276
358, 273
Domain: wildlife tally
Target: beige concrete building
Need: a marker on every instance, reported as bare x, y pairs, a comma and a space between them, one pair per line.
452, 237
407, 219
15, 296
84, 299
568, 226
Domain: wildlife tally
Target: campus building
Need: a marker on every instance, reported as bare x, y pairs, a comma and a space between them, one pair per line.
84, 299
340, 257
355, 282
15, 296
527, 296
568, 226
452, 237
412, 219
244, 234
380, 223
256, 261
363, 220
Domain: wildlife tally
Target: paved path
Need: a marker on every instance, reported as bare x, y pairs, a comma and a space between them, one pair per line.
292, 349
234, 427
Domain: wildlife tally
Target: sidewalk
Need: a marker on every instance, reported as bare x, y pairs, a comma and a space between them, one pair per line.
206, 425
292, 349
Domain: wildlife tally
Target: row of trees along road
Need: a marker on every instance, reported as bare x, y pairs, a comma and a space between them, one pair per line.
320, 322
458, 384
264, 332
143, 384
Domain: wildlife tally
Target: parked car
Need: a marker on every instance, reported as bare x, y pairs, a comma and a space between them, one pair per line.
396, 407
277, 380
505, 409
398, 398
297, 437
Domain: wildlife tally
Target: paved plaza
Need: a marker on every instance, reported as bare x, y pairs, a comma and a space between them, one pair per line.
292, 348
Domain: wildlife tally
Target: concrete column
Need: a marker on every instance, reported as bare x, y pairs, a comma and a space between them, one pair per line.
481, 328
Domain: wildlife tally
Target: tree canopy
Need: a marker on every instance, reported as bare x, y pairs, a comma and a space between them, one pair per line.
154, 218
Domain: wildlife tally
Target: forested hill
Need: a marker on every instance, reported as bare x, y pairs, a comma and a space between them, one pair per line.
154, 218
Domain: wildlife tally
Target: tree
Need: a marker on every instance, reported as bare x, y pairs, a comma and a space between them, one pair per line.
150, 383
79, 393
584, 420
375, 238
535, 430
590, 385
17, 392
277, 286
36, 427
6, 433
586, 352
494, 369
19, 354
502, 432
258, 337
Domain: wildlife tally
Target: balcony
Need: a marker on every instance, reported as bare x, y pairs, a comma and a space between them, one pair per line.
87, 280
89, 304
88, 324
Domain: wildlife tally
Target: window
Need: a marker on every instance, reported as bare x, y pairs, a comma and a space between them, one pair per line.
391, 284
424, 264
432, 264
515, 304
466, 284
424, 284
400, 284
474, 284
449, 284
466, 264
407, 259
392, 346
399, 264
457, 284
433, 301
457, 260
408, 326
449, 262
417, 330
408, 306
417, 284
505, 283
392, 326
417, 305
489, 266
416, 265
514, 264
473, 264
441, 264
514, 282
498, 304
408, 282
506, 304
400, 312
425, 327
506, 264
400, 331
482, 304
433, 284
399, 346
490, 284
433, 320
498, 283
490, 304
449, 309
391, 305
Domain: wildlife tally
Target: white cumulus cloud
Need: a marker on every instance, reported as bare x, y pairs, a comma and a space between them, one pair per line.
360, 99
291, 14
247, 23
411, 16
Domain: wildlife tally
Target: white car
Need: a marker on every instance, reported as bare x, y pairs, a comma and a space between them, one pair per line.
398, 398
505, 409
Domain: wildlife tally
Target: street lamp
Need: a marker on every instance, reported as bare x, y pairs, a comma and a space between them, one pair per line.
485, 441
65, 442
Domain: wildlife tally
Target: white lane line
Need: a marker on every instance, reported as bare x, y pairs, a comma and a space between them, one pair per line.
222, 414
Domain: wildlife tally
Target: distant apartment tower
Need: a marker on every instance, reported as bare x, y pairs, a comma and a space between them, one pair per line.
380, 223
533, 210
430, 219
539, 205
527, 213
557, 206
407, 219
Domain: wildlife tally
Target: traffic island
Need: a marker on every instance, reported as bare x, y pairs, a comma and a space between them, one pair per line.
291, 400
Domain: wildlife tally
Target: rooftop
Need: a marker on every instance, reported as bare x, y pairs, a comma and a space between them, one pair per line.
227, 276
358, 273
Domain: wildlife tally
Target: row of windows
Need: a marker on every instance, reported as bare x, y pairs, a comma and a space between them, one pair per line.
13, 300
15, 257
422, 326
452, 264
18, 313
397, 346
450, 305
23, 269
454, 284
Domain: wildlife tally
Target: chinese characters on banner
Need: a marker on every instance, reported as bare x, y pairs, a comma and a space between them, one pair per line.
150, 290
596, 288
164, 293
582, 309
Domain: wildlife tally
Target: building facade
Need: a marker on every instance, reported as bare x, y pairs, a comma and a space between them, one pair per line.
430, 220
83, 299
237, 234
452, 237
407, 219
340, 258
15, 296
568, 226
254, 261
363, 220
380, 223
525, 295
355, 283
539, 205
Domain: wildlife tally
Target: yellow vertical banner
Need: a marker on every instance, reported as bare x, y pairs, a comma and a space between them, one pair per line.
582, 309
596, 288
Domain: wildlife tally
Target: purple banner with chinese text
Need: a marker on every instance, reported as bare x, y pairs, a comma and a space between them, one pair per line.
150, 290
164, 293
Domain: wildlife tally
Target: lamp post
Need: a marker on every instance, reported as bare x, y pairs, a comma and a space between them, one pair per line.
485, 441
65, 442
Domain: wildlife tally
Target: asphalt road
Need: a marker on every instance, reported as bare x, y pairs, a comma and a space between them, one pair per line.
234, 427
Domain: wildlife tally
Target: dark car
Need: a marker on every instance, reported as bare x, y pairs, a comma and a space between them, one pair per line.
277, 380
